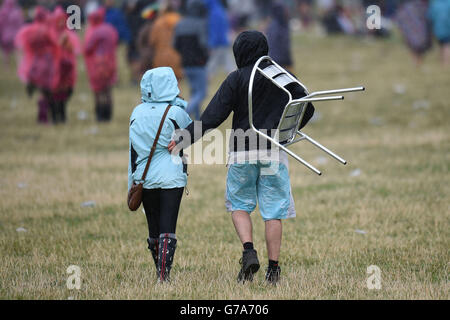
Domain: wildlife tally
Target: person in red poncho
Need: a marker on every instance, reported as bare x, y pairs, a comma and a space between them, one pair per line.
66, 67
11, 19
100, 55
38, 62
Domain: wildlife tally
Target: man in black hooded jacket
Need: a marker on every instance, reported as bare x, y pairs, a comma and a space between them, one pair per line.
246, 183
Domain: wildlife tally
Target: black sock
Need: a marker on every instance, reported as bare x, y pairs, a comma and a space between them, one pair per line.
248, 245
273, 264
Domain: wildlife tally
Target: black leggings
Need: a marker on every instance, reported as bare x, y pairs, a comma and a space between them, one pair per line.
161, 208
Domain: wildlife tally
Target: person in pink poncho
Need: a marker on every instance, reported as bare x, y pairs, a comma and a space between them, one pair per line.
11, 20
100, 55
66, 66
38, 62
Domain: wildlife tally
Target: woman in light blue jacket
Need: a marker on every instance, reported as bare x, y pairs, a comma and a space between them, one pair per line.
166, 177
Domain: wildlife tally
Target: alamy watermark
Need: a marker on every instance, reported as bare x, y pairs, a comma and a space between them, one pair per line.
244, 146
74, 279
374, 17
374, 280
74, 19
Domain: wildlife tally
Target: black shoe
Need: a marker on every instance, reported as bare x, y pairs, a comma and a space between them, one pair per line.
250, 265
273, 275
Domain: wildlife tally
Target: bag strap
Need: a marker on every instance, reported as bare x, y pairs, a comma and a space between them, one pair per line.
152, 151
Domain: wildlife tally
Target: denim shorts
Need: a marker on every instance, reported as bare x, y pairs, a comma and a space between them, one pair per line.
444, 41
265, 183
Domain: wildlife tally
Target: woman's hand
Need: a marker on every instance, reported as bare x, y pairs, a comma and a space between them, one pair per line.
174, 148
171, 146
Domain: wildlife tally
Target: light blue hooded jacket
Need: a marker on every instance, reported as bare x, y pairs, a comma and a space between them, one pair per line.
159, 88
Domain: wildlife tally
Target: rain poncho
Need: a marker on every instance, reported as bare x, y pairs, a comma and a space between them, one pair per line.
218, 25
159, 88
100, 51
39, 52
116, 18
412, 21
11, 19
68, 48
161, 41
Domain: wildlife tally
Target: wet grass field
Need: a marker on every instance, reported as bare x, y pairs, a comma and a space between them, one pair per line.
63, 190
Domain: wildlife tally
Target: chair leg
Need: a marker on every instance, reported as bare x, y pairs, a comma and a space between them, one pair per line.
318, 145
289, 152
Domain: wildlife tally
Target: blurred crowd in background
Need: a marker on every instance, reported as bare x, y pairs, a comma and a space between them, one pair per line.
194, 37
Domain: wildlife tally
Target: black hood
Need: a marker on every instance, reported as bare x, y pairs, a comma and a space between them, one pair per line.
248, 47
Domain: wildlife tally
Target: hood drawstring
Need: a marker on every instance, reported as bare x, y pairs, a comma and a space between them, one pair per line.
183, 158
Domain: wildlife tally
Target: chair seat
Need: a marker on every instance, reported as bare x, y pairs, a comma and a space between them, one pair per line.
278, 75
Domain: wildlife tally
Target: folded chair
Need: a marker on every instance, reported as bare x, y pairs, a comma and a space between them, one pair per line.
288, 130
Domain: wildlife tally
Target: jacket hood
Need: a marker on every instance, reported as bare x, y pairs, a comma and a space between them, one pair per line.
248, 47
97, 17
9, 4
59, 18
159, 85
41, 14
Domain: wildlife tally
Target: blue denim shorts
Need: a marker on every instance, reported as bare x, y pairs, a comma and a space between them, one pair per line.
264, 183
444, 41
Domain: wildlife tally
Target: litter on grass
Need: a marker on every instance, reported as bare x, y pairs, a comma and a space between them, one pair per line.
376, 121
21, 185
355, 173
399, 88
321, 160
88, 204
92, 131
421, 104
82, 115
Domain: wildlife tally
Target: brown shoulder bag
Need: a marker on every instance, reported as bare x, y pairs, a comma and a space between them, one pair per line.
134, 198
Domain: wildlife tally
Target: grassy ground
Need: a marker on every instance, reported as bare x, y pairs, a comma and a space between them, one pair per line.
388, 207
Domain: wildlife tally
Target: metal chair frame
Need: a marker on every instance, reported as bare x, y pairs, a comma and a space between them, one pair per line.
294, 111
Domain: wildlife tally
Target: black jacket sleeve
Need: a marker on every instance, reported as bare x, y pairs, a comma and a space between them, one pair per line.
217, 110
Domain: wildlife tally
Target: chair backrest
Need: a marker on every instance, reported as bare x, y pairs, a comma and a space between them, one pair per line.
293, 111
